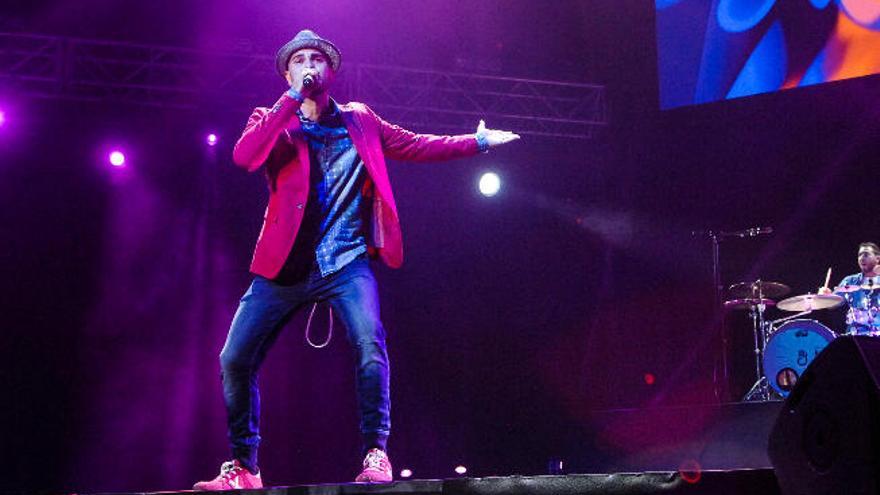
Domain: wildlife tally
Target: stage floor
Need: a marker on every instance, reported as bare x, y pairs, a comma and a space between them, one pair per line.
743, 481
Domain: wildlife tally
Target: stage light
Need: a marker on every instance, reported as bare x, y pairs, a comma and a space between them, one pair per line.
555, 466
690, 471
490, 184
2, 118
117, 159
211, 139
650, 378
460, 470
406, 473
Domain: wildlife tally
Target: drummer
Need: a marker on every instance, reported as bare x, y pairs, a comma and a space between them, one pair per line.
861, 291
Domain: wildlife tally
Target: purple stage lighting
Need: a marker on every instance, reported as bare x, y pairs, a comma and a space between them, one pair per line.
117, 159
211, 139
2, 118
406, 473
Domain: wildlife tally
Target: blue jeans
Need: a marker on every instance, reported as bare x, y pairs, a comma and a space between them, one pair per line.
263, 311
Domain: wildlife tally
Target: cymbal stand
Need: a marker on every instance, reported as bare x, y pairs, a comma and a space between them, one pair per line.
722, 382
760, 391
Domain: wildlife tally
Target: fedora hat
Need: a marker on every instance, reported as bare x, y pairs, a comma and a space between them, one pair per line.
306, 39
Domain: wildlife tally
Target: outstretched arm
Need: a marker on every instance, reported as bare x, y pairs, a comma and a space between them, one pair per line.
401, 144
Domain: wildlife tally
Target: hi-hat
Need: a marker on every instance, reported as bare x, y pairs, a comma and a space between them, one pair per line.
758, 289
810, 302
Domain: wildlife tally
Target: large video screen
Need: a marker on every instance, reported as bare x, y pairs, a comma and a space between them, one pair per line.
710, 50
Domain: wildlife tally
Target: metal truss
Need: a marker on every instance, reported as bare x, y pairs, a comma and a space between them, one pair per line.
455, 101
118, 72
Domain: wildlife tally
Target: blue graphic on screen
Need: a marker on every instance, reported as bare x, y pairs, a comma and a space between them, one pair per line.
710, 50
764, 70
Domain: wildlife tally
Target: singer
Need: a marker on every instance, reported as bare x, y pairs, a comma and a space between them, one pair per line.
331, 210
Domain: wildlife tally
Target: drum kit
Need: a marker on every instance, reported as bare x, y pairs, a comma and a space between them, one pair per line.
786, 346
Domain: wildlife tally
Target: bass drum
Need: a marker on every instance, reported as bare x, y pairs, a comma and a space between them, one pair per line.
791, 348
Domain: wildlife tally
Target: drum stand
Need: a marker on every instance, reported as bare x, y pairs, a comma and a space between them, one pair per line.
760, 391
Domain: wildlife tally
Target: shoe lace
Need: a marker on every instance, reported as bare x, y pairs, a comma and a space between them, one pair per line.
228, 470
374, 460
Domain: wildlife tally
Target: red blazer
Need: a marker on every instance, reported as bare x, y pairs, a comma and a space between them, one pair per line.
273, 137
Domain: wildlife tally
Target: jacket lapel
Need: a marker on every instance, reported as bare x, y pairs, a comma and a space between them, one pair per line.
358, 137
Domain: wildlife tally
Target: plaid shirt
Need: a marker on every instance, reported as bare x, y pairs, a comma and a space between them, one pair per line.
335, 200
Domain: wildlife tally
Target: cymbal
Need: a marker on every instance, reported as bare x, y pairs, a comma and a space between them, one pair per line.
810, 302
751, 290
747, 303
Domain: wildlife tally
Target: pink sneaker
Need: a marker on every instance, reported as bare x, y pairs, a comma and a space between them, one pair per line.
233, 476
377, 468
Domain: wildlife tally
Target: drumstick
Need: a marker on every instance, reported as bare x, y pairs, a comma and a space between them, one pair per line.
827, 277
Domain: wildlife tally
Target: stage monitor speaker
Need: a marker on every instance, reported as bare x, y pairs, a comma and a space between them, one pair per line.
825, 439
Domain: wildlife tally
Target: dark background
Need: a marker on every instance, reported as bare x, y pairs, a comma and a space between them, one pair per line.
513, 319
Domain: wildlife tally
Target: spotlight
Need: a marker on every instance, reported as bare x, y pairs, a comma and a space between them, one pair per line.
211, 139
2, 118
117, 159
406, 473
460, 470
490, 183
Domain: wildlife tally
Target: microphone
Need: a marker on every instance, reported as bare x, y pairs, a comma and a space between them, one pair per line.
752, 232
760, 231
309, 80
